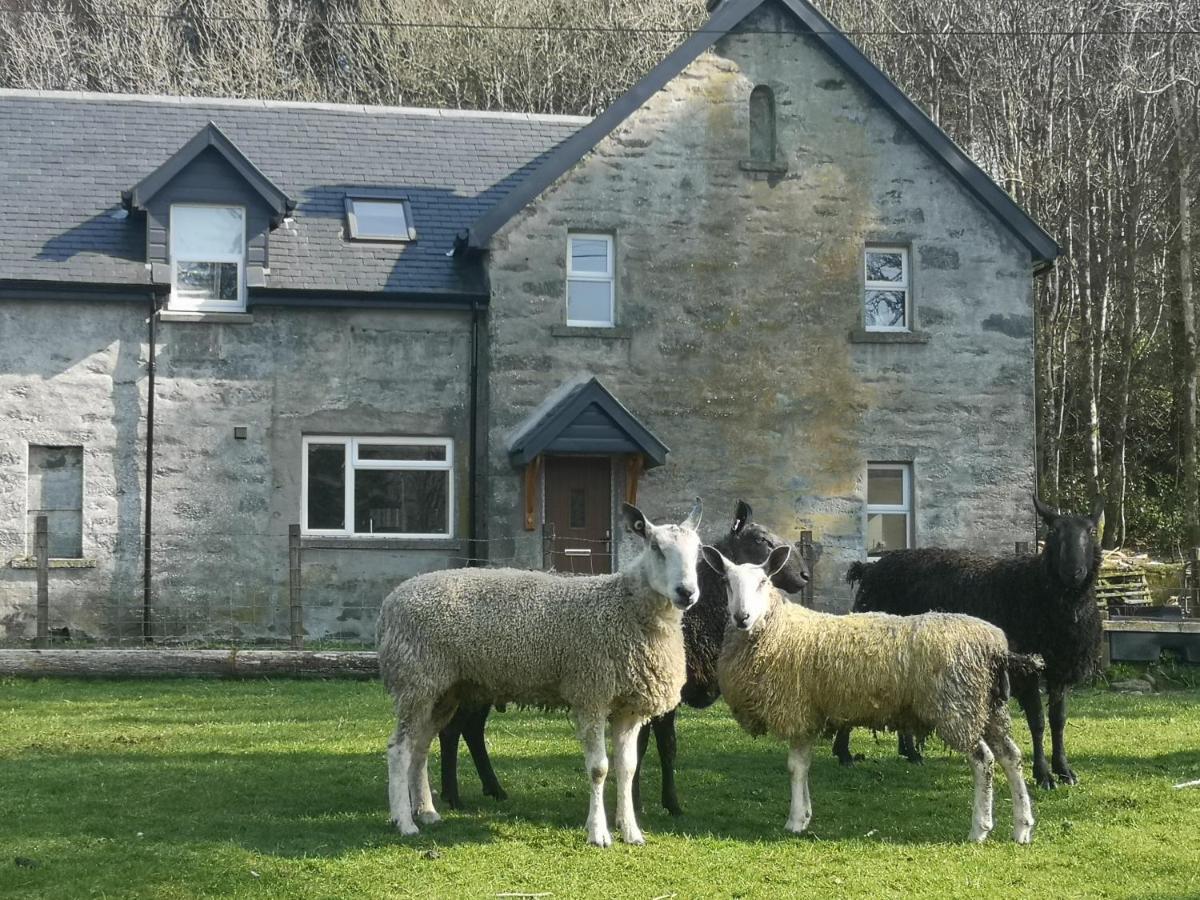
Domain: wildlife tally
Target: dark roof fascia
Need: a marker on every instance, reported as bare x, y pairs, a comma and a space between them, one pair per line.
1043, 248
43, 289
573, 149
569, 409
211, 136
334, 299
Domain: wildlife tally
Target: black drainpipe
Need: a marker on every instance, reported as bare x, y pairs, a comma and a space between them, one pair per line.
151, 366
473, 558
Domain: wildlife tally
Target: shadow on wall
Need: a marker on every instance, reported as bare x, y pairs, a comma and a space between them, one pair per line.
111, 233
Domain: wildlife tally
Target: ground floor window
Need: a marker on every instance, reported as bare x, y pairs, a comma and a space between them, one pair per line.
378, 486
56, 492
889, 507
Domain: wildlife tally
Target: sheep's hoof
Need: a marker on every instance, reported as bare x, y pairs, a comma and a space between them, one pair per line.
498, 792
406, 830
800, 828
1066, 776
978, 835
674, 809
633, 836
600, 838
1046, 782
1023, 834
428, 817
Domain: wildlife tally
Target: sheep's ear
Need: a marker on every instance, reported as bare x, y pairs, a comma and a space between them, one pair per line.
777, 560
713, 557
1049, 514
635, 519
1097, 512
693, 519
741, 517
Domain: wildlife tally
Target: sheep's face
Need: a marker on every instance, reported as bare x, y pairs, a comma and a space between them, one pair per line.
751, 542
671, 555
749, 584
1071, 547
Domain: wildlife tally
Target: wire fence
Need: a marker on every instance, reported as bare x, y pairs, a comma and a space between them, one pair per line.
249, 588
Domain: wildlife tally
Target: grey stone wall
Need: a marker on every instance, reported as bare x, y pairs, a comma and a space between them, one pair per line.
222, 506
738, 292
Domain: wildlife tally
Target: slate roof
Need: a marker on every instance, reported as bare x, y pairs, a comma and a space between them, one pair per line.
725, 19
66, 157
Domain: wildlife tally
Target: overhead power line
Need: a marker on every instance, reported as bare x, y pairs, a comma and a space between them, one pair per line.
610, 29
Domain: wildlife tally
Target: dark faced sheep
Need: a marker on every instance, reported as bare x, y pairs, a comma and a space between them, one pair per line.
1045, 604
703, 630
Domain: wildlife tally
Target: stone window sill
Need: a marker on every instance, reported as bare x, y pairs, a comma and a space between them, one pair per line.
862, 336
348, 543
770, 168
28, 562
616, 333
216, 318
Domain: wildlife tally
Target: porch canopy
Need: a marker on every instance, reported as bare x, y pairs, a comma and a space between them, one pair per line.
582, 418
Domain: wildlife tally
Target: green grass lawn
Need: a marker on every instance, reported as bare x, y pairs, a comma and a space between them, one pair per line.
257, 789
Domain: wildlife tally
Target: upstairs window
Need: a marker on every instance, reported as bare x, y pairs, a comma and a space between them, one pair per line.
889, 507
762, 125
378, 487
379, 219
590, 271
887, 297
208, 257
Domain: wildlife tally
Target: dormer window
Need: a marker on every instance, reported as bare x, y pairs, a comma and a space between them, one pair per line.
208, 257
379, 219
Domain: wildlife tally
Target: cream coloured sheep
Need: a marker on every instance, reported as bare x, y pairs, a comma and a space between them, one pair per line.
606, 647
799, 674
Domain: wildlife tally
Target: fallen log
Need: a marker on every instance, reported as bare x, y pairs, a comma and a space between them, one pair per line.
171, 663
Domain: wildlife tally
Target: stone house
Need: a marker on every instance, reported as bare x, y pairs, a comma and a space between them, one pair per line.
429, 336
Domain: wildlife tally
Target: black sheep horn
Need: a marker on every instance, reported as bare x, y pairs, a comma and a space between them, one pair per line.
1048, 514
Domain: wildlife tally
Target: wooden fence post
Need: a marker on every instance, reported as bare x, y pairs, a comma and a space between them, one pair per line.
297, 611
41, 550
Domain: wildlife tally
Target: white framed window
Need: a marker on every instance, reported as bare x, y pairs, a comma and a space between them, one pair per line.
889, 507
379, 219
590, 269
208, 257
55, 490
378, 486
887, 295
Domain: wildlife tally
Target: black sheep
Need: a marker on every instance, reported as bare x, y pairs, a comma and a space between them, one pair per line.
1045, 604
703, 631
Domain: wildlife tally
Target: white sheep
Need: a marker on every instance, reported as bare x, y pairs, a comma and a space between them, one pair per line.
799, 674
605, 646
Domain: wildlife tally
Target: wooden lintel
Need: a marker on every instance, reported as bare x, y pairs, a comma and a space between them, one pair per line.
633, 471
531, 492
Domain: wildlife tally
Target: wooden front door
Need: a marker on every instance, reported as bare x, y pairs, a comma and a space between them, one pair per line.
578, 523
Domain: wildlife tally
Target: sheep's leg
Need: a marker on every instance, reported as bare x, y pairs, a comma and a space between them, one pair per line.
418, 776
643, 742
625, 731
1029, 695
664, 738
982, 761
906, 746
1058, 722
399, 762
841, 747
799, 759
448, 742
475, 724
1009, 754
591, 735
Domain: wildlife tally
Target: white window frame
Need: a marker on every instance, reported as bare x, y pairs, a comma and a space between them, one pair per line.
608, 276
354, 234
352, 463
175, 302
904, 285
905, 507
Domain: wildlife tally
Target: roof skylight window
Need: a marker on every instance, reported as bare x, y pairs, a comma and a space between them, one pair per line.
379, 219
